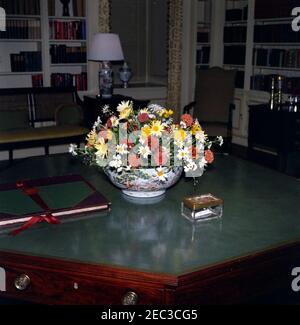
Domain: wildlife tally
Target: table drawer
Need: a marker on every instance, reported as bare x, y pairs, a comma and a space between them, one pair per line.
51, 287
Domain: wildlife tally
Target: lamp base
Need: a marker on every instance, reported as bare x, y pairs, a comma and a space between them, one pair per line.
106, 80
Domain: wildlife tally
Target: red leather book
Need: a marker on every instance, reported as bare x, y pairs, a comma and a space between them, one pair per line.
48, 199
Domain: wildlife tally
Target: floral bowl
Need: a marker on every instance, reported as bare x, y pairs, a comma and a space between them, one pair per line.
145, 182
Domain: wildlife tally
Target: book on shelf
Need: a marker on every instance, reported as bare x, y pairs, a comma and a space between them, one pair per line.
68, 54
26, 61
67, 80
67, 30
290, 85
21, 7
22, 29
277, 58
60, 197
37, 81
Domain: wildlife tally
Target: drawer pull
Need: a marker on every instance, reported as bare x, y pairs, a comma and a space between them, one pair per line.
22, 282
130, 298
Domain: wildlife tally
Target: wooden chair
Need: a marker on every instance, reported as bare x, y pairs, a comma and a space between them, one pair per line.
213, 105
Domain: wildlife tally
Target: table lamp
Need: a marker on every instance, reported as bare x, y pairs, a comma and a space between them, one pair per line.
106, 47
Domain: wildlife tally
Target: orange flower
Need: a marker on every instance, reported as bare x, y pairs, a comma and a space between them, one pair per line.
187, 119
209, 156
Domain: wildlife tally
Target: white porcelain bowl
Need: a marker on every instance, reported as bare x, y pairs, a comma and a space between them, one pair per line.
144, 182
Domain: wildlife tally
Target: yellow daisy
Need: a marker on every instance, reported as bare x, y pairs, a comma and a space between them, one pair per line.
196, 128
102, 148
179, 135
91, 138
168, 113
146, 131
125, 109
157, 128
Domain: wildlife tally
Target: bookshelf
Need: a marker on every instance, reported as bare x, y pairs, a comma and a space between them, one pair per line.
41, 47
203, 33
235, 39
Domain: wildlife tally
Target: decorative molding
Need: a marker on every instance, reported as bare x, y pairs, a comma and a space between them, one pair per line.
104, 16
174, 55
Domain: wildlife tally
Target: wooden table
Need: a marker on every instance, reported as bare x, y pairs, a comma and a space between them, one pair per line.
149, 254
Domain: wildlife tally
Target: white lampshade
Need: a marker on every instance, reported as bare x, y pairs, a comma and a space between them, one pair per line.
106, 47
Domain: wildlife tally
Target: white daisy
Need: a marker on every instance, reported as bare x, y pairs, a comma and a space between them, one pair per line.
183, 125
161, 174
124, 105
183, 154
144, 151
200, 136
202, 163
97, 123
72, 149
220, 140
121, 149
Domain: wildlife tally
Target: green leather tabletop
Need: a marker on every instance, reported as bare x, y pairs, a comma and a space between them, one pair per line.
262, 210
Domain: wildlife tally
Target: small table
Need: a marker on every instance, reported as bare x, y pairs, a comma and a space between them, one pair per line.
149, 254
274, 136
93, 106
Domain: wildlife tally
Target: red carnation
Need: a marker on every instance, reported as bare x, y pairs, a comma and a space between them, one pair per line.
187, 119
209, 156
144, 117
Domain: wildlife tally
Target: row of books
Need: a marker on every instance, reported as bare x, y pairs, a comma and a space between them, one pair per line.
274, 9
234, 54
77, 5
277, 58
235, 34
203, 55
26, 61
275, 33
68, 54
22, 29
70, 30
67, 80
37, 80
290, 85
21, 7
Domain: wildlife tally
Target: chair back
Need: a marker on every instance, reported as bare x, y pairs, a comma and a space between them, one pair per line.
214, 93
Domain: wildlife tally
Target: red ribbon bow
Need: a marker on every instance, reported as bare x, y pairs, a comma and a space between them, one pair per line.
48, 217
34, 220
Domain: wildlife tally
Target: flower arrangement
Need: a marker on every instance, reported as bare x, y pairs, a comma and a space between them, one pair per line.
130, 143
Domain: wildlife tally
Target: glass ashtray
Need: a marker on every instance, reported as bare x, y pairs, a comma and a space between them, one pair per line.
202, 207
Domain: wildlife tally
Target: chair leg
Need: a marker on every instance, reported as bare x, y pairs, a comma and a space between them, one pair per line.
47, 150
